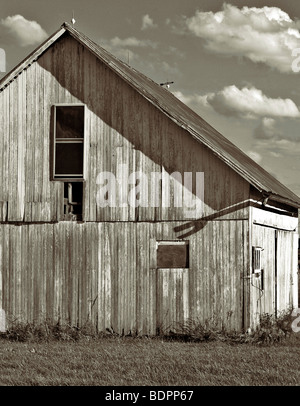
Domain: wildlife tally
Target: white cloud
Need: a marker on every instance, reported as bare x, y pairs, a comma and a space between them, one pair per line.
277, 130
122, 47
22, 31
131, 42
275, 154
267, 130
266, 34
125, 54
194, 99
281, 131
250, 103
147, 22
184, 98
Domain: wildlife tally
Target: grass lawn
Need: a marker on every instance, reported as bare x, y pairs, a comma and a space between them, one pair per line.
147, 362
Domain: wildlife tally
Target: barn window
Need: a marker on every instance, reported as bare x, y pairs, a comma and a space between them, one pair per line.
256, 259
68, 142
173, 254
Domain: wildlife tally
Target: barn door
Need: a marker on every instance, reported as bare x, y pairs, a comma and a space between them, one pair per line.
172, 286
286, 270
172, 300
263, 273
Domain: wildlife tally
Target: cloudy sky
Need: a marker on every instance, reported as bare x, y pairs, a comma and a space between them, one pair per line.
234, 63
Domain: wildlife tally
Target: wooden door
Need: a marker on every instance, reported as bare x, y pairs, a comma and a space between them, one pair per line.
172, 299
286, 271
263, 284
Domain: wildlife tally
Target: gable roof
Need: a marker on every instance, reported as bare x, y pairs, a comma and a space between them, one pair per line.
177, 111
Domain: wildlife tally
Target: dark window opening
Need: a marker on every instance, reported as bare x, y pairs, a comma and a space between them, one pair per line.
173, 254
262, 286
69, 121
73, 200
68, 143
69, 160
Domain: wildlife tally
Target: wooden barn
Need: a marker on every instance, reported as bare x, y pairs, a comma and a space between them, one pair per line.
121, 207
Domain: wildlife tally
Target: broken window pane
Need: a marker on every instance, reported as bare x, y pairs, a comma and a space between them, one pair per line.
73, 192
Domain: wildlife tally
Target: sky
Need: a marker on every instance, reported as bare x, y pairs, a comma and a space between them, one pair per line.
235, 63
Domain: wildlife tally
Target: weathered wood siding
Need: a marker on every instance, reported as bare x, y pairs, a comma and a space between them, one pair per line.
106, 273
122, 127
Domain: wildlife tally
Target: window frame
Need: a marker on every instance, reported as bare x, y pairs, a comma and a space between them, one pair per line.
257, 259
173, 242
82, 141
